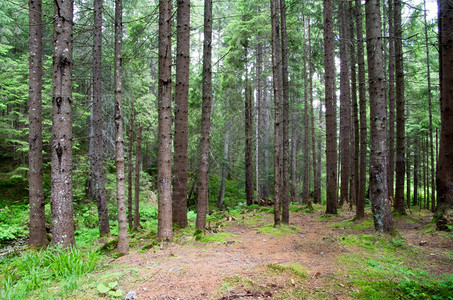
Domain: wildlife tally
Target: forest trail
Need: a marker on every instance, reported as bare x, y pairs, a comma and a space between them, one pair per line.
250, 262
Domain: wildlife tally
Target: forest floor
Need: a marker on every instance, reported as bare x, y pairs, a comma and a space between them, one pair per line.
316, 256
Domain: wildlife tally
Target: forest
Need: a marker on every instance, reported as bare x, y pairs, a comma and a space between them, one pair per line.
228, 149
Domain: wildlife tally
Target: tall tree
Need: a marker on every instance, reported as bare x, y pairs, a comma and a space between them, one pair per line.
360, 202
431, 141
37, 236
123, 241
383, 221
345, 106
294, 158
249, 189
226, 144
203, 182
444, 180
130, 167
61, 194
285, 116
276, 75
138, 163
259, 93
181, 113
306, 182
391, 104
331, 109
97, 142
400, 119
165, 230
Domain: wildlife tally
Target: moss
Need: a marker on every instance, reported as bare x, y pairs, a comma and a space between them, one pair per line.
221, 237
293, 268
282, 230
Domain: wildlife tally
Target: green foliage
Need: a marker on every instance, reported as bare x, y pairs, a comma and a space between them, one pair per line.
13, 222
372, 242
293, 268
33, 273
354, 224
282, 230
110, 290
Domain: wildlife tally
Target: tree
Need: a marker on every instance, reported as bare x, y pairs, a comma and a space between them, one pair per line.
138, 162
249, 189
130, 167
165, 230
400, 119
345, 106
203, 181
97, 139
444, 178
383, 221
331, 110
181, 113
276, 77
285, 115
123, 241
61, 194
391, 93
37, 236
360, 202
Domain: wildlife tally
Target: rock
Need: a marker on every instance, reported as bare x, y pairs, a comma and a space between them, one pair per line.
131, 295
175, 270
422, 243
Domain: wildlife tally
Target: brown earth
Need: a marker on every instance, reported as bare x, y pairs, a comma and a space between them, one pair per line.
250, 264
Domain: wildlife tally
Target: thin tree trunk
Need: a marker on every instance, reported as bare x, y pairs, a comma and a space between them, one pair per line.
61, 173
165, 230
345, 106
226, 144
37, 237
249, 189
355, 109
138, 163
408, 175
285, 116
319, 158
98, 144
293, 158
259, 92
276, 66
360, 208
203, 182
123, 241
266, 141
391, 97
416, 156
130, 167
180, 167
400, 119
331, 110
383, 221
306, 181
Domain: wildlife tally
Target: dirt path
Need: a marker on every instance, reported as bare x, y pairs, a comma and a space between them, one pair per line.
227, 270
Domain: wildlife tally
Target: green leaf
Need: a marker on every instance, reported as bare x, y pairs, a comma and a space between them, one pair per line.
117, 293
112, 284
102, 288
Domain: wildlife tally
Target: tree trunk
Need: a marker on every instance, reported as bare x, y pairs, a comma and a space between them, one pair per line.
391, 91
285, 116
431, 141
226, 144
355, 110
360, 203
138, 163
383, 221
165, 230
249, 189
203, 182
293, 158
130, 167
123, 241
265, 113
37, 237
276, 66
180, 166
408, 176
444, 180
98, 148
345, 106
259, 92
61, 194
415, 199
331, 110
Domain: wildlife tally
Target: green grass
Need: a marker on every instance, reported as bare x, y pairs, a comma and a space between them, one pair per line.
282, 230
353, 224
293, 268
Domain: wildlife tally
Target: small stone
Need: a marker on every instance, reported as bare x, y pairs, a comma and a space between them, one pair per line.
422, 243
131, 295
175, 270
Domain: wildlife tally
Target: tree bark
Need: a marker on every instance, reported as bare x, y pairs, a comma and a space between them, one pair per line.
444, 180
180, 167
98, 145
383, 221
293, 158
259, 93
226, 144
345, 107
331, 110
391, 97
138, 163
276, 66
123, 241
37, 236
360, 203
165, 226
61, 179
306, 181
415, 199
285, 116
203, 182
249, 189
130, 167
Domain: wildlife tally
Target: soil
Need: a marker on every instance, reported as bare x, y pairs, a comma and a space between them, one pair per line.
240, 267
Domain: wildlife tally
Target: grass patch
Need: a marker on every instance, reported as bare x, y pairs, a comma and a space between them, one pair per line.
220, 237
353, 224
282, 230
372, 242
292, 268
